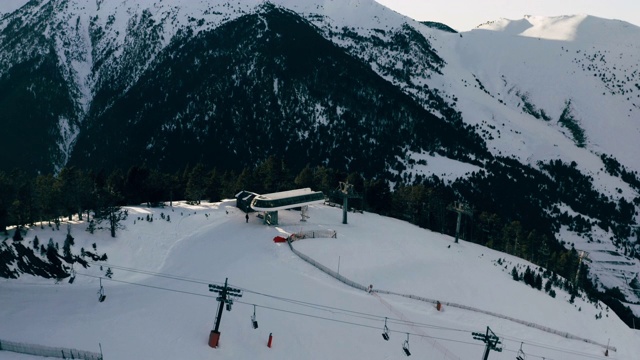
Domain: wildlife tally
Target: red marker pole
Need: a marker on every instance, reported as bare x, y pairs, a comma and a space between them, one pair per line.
270, 338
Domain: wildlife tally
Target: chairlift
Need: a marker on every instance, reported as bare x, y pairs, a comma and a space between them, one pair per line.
405, 346
254, 322
101, 295
521, 355
229, 304
73, 275
385, 331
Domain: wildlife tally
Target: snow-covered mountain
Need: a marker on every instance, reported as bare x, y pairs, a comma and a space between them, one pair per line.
91, 83
581, 66
158, 305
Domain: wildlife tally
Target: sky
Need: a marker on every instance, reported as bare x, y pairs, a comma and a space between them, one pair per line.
466, 15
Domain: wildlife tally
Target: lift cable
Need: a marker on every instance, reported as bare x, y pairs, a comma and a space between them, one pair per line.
298, 302
323, 307
561, 350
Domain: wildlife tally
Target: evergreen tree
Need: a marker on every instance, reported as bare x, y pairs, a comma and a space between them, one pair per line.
5, 201
196, 184
544, 251
213, 192
512, 238
69, 184
91, 228
377, 196
45, 198
108, 200
135, 185
305, 178
111, 191
17, 234
246, 181
538, 282
488, 225
528, 277
514, 274
52, 253
324, 178
66, 247
274, 175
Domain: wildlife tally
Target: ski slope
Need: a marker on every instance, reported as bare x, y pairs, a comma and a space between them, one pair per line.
158, 305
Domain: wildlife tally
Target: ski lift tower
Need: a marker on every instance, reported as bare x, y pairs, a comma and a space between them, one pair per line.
346, 192
461, 208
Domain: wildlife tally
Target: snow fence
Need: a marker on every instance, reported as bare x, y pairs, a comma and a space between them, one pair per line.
445, 351
326, 269
311, 234
47, 351
433, 301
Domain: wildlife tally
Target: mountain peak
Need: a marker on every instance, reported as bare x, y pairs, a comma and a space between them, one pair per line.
579, 27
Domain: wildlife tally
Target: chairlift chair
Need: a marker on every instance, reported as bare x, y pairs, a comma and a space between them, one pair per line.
229, 304
73, 275
405, 346
254, 322
101, 295
521, 355
385, 332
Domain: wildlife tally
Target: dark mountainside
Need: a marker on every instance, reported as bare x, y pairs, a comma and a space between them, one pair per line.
233, 96
35, 99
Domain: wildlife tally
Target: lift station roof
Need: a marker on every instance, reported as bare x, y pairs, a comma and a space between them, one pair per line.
287, 200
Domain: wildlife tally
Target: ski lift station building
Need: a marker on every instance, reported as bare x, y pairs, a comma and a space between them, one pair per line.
269, 204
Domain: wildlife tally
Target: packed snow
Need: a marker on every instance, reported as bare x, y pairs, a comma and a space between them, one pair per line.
158, 305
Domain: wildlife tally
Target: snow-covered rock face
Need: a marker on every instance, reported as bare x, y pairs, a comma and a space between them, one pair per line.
101, 42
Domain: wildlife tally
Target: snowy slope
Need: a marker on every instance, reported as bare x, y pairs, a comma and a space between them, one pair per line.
587, 61
582, 63
573, 58
142, 319
9, 6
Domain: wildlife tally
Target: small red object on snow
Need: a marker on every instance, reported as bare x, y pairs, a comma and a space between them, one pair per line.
270, 338
279, 239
